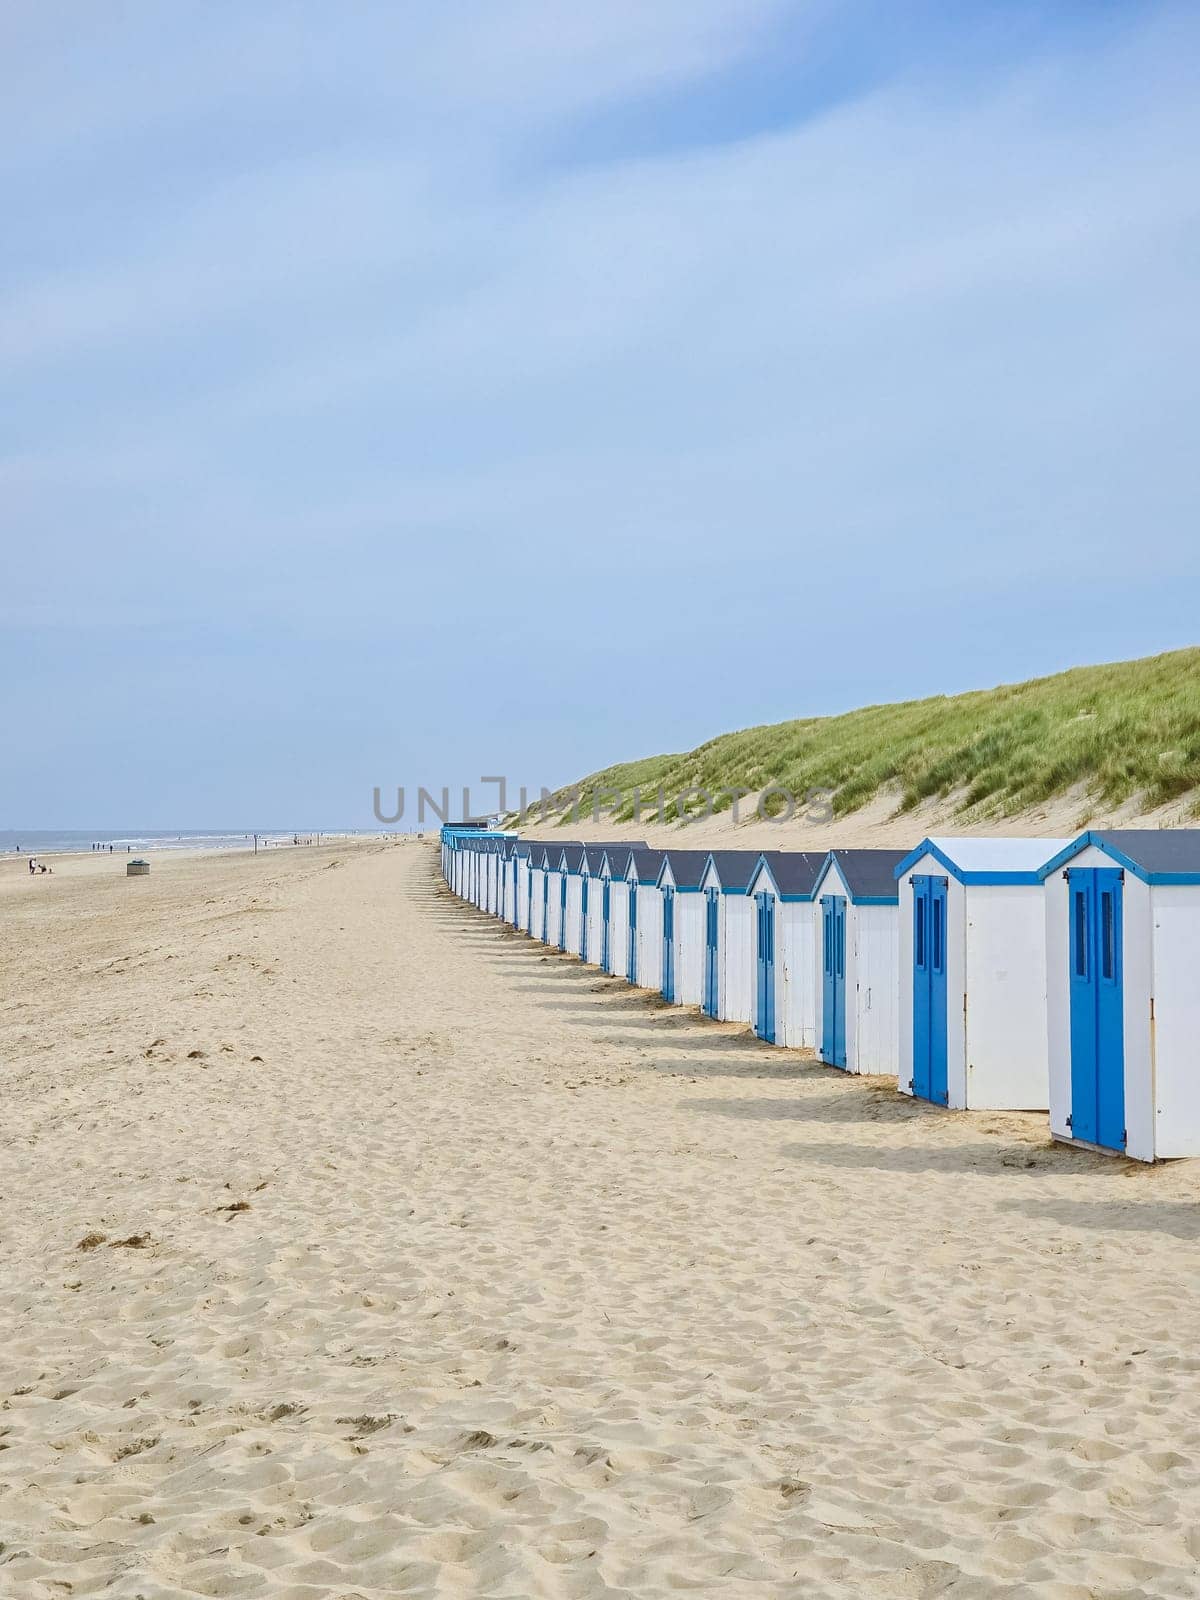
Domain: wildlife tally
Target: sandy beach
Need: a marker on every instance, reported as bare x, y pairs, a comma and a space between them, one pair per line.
355, 1246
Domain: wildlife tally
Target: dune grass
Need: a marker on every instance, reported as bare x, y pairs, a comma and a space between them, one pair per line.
1124, 730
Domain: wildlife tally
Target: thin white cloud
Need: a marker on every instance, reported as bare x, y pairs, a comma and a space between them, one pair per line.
914, 326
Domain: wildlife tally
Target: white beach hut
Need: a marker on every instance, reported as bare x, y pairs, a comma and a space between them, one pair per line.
584, 901
508, 882
570, 900
973, 973
644, 963
857, 934
491, 879
517, 864
592, 890
465, 860
682, 979
614, 937
460, 862
539, 887
524, 895
480, 850
504, 880
784, 947
552, 891
1123, 991
550, 921
728, 989
496, 905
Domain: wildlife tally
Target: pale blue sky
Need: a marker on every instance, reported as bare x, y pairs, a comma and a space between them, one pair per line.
396, 393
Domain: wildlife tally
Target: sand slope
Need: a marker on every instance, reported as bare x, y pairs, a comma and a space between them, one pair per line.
534, 1287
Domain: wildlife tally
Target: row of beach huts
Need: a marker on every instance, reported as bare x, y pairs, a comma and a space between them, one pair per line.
1050, 975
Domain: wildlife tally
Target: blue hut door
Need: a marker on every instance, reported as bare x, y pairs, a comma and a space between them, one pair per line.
545, 907
929, 1080
605, 908
764, 1011
833, 992
1097, 1006
562, 911
584, 886
632, 962
668, 960
711, 946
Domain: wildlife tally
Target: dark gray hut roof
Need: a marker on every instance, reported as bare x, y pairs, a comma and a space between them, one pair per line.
594, 856
735, 868
795, 871
596, 848
1161, 855
687, 867
646, 864
870, 874
538, 848
618, 859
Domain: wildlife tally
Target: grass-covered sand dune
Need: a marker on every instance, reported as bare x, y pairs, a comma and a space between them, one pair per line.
1127, 731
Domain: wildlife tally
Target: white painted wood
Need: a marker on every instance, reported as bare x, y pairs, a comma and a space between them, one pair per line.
1160, 963
795, 973
523, 892
618, 928
874, 998
997, 1053
554, 907
735, 993
649, 937
1174, 1078
571, 938
689, 947
1006, 1053
595, 920
537, 903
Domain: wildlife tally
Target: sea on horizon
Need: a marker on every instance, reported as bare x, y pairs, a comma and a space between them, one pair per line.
51, 841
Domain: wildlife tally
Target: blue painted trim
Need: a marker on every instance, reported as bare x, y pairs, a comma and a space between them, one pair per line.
821, 876
1094, 839
831, 861
760, 871
973, 879
691, 888
752, 888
